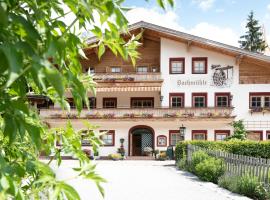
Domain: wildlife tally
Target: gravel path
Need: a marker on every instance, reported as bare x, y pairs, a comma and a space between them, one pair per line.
144, 180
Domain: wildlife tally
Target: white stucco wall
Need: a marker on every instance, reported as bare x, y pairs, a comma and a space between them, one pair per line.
240, 92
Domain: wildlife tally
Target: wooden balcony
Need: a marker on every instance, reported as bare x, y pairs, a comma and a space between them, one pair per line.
210, 113
127, 77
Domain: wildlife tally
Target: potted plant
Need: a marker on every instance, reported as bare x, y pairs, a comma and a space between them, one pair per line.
115, 156
96, 155
148, 151
121, 151
156, 152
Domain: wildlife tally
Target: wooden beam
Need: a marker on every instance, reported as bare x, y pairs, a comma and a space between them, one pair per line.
238, 59
189, 42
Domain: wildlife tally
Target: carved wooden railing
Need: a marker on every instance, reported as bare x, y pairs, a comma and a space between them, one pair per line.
100, 113
112, 77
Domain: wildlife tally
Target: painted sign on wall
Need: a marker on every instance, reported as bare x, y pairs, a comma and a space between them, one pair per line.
222, 76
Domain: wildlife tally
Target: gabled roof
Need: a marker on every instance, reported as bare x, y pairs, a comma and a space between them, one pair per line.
199, 41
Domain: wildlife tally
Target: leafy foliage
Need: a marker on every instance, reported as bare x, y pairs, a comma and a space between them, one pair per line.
246, 185
239, 131
253, 39
247, 148
210, 169
38, 49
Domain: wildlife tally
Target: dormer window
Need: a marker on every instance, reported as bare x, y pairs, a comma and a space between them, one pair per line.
177, 65
142, 69
116, 69
199, 65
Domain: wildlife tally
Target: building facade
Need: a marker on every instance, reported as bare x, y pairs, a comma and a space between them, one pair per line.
180, 80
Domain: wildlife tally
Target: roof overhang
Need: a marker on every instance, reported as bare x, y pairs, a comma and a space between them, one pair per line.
155, 31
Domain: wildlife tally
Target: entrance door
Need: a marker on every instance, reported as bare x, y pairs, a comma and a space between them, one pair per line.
137, 145
139, 140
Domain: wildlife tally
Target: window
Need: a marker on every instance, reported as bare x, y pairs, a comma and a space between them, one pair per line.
175, 137
108, 137
177, 65
91, 70
71, 102
142, 102
177, 100
256, 102
109, 102
220, 135
199, 135
115, 69
255, 135
161, 141
199, 100
267, 135
142, 69
259, 99
92, 103
222, 99
267, 102
199, 65
84, 139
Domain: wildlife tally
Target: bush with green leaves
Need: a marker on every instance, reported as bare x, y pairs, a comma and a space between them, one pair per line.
210, 169
41, 50
197, 157
247, 148
246, 185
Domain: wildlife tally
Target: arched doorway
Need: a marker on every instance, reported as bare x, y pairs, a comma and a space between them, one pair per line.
139, 138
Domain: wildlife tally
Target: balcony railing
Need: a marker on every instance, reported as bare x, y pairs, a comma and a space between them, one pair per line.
126, 113
127, 77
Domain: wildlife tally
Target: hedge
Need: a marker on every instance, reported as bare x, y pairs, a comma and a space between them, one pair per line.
247, 148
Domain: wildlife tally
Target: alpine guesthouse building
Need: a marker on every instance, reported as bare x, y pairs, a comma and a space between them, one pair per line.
183, 87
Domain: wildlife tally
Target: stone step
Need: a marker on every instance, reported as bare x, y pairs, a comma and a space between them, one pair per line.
140, 158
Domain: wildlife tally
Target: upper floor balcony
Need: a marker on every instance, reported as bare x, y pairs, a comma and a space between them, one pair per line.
127, 75
208, 113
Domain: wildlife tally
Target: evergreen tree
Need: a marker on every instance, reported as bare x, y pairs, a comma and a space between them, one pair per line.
253, 39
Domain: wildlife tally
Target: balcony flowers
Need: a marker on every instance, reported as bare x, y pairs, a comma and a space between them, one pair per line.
93, 116
173, 115
128, 115
147, 151
56, 115
128, 79
109, 116
147, 115
71, 116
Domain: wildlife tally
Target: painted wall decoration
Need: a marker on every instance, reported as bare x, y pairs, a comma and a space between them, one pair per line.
222, 76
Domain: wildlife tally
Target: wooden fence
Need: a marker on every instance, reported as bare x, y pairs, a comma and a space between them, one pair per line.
238, 165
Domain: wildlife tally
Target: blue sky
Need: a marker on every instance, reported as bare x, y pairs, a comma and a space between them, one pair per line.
222, 20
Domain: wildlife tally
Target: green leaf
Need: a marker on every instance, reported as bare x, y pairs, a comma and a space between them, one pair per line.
15, 62
161, 4
69, 191
101, 50
55, 78
34, 133
10, 129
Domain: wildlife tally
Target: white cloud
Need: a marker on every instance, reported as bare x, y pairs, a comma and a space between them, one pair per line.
170, 20
204, 4
216, 33
219, 10
268, 7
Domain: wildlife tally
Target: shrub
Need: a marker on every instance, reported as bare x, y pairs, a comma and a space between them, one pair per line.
197, 157
247, 148
115, 156
251, 187
245, 185
210, 169
229, 182
182, 164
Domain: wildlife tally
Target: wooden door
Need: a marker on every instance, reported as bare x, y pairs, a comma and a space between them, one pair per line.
137, 145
